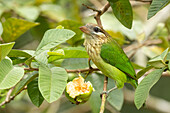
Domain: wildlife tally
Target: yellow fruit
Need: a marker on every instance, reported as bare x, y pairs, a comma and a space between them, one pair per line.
78, 91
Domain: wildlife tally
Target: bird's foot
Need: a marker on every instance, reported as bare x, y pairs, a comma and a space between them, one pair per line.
90, 64
90, 69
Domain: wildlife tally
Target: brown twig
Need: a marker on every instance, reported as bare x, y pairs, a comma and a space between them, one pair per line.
104, 95
31, 69
81, 70
90, 68
9, 94
91, 8
137, 45
134, 47
99, 13
68, 71
9, 97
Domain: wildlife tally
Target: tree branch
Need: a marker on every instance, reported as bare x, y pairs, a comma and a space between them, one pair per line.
69, 70
9, 94
82, 70
137, 45
102, 11
99, 12
91, 8
104, 95
31, 69
9, 97
134, 47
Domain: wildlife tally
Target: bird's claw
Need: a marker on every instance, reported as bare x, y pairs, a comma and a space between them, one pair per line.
90, 69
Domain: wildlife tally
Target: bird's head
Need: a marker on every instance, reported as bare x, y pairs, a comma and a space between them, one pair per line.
94, 31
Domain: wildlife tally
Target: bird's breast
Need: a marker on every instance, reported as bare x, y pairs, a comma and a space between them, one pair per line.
93, 49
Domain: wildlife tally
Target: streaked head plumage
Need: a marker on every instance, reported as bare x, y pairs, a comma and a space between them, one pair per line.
93, 30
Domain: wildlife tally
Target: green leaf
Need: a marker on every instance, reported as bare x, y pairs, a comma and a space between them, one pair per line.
3, 94
143, 71
165, 42
70, 52
9, 75
168, 57
169, 65
29, 61
74, 26
145, 85
56, 52
123, 11
14, 28
75, 63
115, 97
27, 79
42, 58
52, 82
21, 53
5, 49
34, 93
156, 6
95, 102
30, 13
52, 38
159, 61
18, 60
20, 56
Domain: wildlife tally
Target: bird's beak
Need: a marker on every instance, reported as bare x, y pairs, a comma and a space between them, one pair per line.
84, 29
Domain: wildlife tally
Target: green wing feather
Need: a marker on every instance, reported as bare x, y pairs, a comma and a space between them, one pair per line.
113, 54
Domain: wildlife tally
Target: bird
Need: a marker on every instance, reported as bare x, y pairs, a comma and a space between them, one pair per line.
108, 56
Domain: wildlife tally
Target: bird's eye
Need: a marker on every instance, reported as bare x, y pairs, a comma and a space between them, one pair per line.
96, 29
